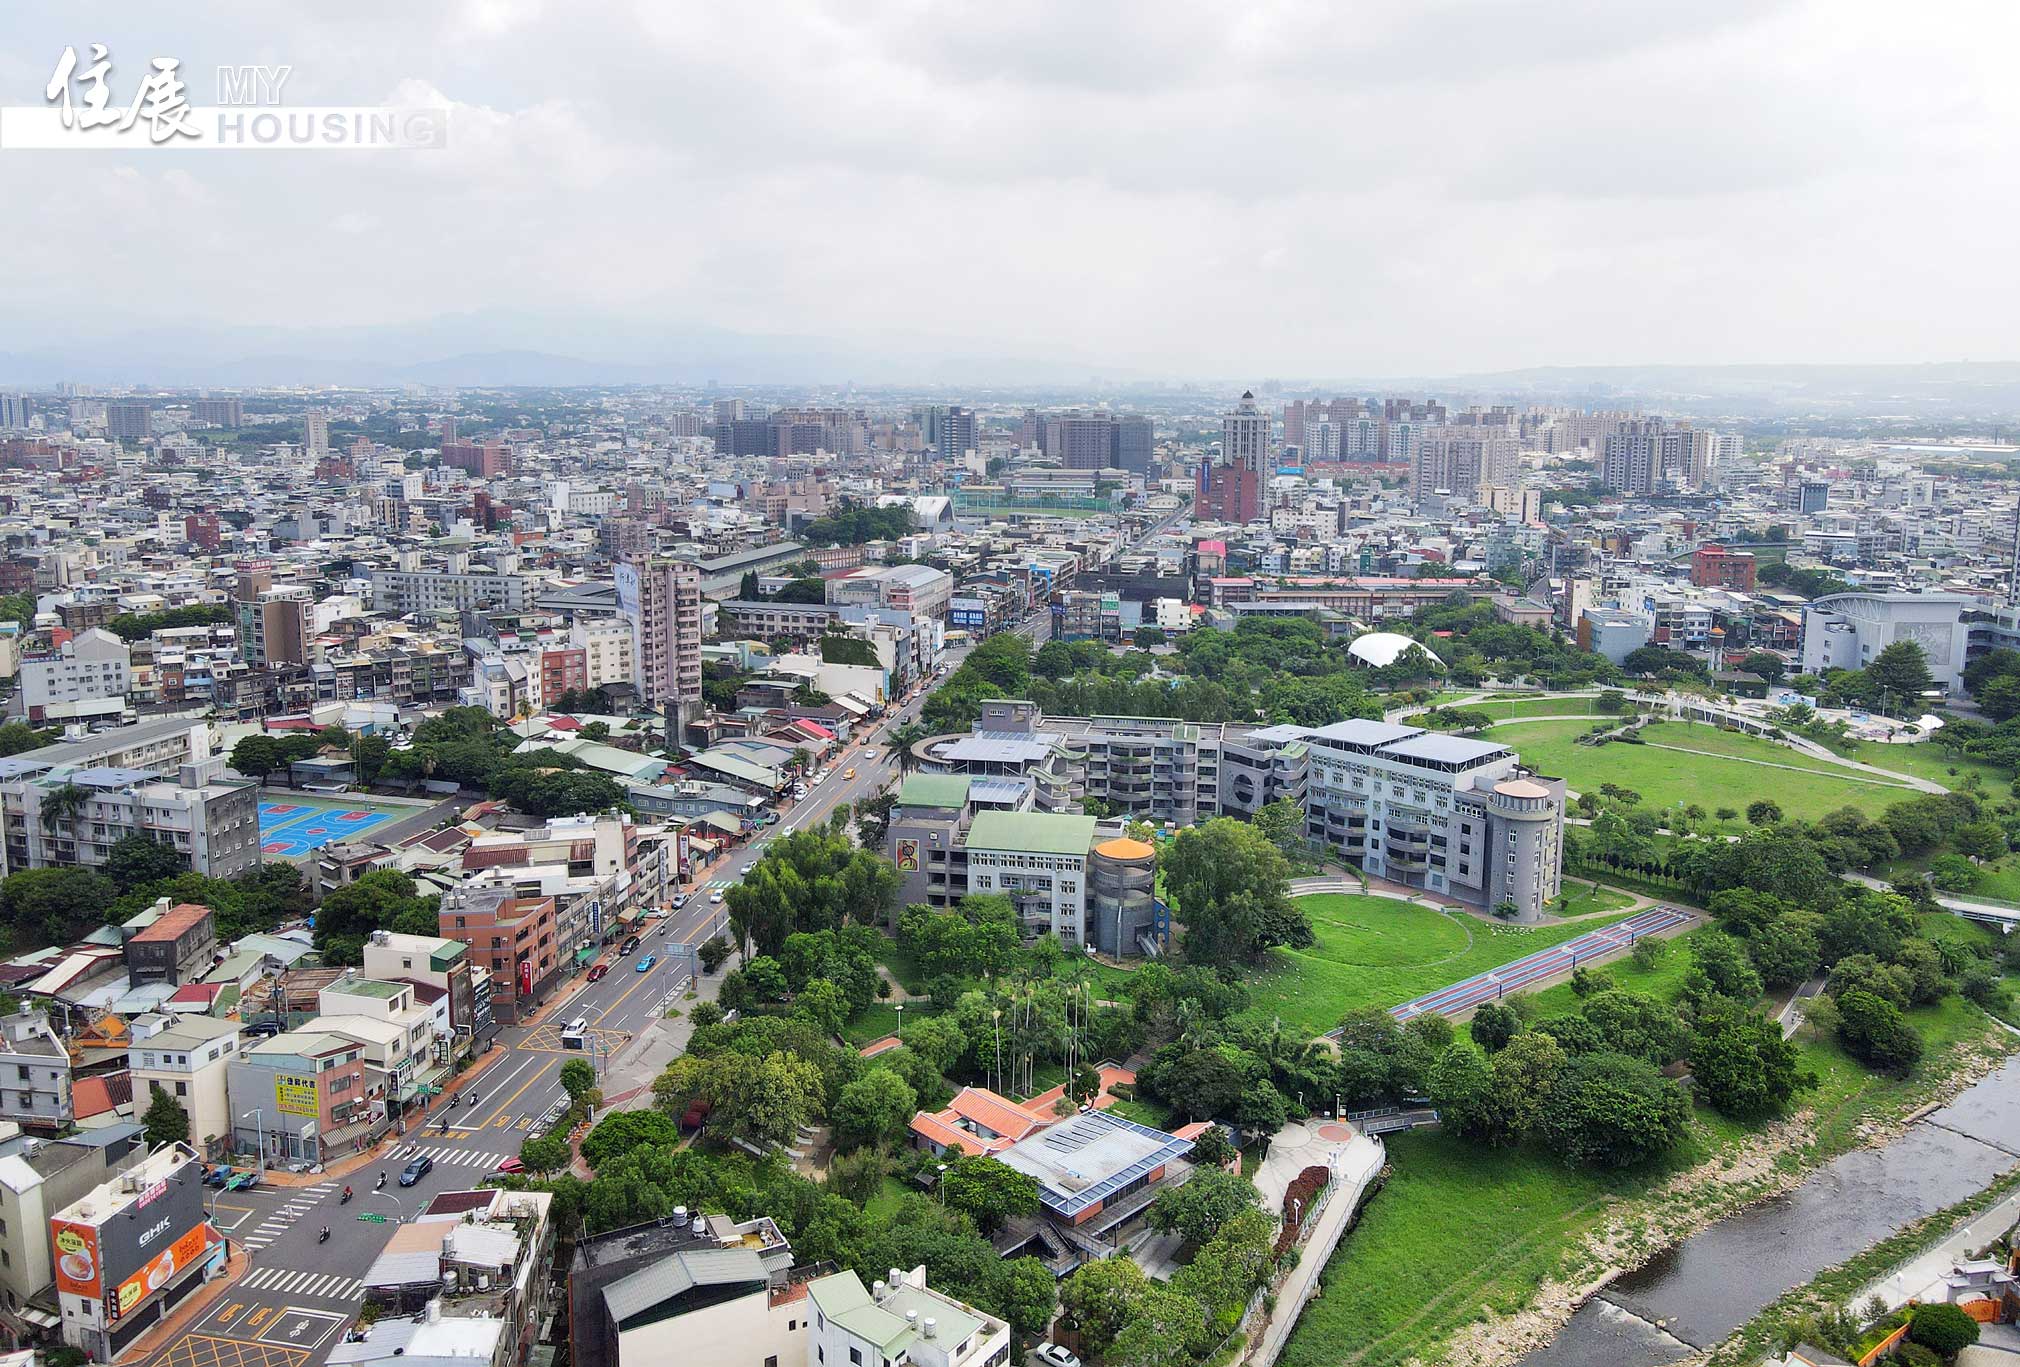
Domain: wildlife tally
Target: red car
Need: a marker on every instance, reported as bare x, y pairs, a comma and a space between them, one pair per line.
596, 971
511, 1165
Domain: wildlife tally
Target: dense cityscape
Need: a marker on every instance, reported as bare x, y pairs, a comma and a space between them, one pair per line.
984, 864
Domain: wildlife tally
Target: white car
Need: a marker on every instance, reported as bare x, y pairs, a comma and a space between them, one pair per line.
870, 752
1052, 1355
715, 898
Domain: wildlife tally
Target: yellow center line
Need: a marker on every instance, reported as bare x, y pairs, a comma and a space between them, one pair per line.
643, 978
503, 1119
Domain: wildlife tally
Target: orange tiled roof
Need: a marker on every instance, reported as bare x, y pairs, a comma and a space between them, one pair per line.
994, 1112
950, 1136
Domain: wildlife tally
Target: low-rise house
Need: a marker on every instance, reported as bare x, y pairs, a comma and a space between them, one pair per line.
170, 944
300, 1097
397, 1031
694, 1289
477, 1255
899, 1320
34, 1072
976, 1121
435, 962
39, 1177
190, 1058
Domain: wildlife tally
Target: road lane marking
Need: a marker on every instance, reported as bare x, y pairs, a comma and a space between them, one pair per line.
516, 1095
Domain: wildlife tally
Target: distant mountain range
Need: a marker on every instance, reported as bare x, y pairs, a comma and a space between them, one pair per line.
507, 349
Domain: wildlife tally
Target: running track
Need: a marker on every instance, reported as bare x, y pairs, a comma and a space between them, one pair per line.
1594, 944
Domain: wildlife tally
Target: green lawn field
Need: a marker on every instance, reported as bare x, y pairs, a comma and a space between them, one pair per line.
1503, 710
1682, 764
1583, 899
1378, 951
880, 1019
1925, 760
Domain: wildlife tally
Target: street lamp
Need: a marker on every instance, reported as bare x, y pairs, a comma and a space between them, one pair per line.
941, 1185
258, 1113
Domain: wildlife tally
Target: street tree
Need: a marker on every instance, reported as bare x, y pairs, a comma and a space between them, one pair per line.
544, 1153
578, 1078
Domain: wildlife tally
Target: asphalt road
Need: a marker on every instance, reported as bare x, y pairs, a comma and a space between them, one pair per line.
299, 1295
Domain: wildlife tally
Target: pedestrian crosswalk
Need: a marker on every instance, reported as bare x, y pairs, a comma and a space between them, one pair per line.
723, 882
451, 1155
277, 1222
286, 1281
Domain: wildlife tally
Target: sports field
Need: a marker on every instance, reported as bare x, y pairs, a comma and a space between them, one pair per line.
294, 826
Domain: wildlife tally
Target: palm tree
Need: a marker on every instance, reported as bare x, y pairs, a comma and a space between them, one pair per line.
902, 740
62, 806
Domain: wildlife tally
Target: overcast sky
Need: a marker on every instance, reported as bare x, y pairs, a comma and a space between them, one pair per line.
1170, 188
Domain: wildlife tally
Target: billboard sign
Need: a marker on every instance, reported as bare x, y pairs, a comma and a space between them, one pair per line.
186, 1251
295, 1095
133, 1239
78, 1268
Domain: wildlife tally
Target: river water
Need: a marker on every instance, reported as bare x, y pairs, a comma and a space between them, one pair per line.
1696, 1294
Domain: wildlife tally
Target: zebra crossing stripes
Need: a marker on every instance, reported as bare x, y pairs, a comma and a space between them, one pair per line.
452, 1156
287, 1281
277, 1223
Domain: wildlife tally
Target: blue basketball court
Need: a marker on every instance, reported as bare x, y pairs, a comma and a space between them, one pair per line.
292, 829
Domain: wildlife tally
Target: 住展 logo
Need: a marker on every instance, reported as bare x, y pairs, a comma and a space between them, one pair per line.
83, 107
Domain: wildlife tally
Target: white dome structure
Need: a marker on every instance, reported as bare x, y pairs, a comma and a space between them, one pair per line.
1380, 648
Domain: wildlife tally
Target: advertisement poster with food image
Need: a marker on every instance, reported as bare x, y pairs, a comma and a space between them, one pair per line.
184, 1252
77, 1264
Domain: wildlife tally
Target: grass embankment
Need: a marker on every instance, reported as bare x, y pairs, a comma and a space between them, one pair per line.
1461, 1233
1378, 951
1680, 765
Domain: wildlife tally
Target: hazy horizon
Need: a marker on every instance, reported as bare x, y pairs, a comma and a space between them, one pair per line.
1156, 192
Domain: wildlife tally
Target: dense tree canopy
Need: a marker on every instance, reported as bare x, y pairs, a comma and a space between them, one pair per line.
1232, 889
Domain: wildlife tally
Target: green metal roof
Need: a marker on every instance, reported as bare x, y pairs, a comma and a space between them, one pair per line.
934, 790
1032, 832
843, 1299
369, 987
